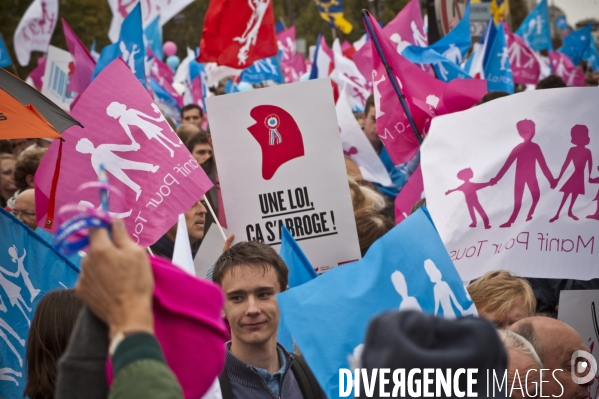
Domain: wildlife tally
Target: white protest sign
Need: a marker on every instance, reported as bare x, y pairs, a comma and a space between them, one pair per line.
512, 184
280, 162
210, 250
580, 310
56, 78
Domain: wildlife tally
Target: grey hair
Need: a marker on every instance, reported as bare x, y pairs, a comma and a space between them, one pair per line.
514, 341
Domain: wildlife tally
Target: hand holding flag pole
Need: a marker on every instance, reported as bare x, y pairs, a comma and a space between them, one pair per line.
389, 69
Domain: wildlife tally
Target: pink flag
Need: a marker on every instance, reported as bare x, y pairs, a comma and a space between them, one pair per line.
164, 75
411, 193
84, 62
524, 63
143, 157
38, 72
286, 43
563, 67
425, 96
294, 69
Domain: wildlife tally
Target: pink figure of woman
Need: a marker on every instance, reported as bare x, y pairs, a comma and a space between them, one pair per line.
469, 189
581, 158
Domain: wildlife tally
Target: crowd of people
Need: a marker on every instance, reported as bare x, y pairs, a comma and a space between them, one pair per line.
110, 310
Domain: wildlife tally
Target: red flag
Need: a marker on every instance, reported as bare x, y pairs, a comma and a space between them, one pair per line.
238, 32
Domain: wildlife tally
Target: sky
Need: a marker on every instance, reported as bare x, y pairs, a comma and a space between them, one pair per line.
576, 10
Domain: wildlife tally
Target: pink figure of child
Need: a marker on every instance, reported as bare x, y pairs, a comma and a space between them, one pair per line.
469, 189
595, 215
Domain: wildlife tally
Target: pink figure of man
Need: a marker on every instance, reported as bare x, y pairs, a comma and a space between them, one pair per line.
526, 155
580, 156
469, 189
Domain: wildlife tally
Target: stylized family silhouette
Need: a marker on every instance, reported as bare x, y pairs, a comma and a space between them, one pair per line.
527, 155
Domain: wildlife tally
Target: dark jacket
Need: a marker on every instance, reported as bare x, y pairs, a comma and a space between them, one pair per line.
246, 383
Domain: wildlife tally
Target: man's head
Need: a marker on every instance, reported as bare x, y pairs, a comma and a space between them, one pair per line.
192, 113
555, 342
200, 147
195, 220
250, 274
19, 145
522, 359
550, 82
526, 129
369, 123
24, 208
502, 298
7, 173
26, 167
186, 131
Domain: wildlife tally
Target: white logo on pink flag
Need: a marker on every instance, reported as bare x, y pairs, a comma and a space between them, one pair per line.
411, 193
286, 43
564, 68
35, 29
144, 158
521, 193
523, 62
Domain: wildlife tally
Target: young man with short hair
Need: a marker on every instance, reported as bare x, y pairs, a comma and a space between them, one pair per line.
251, 274
192, 113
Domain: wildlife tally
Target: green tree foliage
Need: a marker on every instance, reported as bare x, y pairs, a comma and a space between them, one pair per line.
90, 19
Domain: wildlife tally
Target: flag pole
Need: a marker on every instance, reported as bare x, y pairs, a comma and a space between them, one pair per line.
222, 232
379, 50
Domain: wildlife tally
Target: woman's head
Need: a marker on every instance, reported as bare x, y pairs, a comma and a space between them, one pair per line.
580, 135
49, 334
371, 226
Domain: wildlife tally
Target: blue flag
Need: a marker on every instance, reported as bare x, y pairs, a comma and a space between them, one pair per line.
591, 56
153, 37
488, 39
300, 272
561, 23
165, 101
576, 44
4, 56
130, 47
498, 72
535, 28
456, 43
29, 267
407, 268
446, 70
263, 70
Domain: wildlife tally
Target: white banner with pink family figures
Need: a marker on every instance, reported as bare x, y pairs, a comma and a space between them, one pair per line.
513, 184
280, 163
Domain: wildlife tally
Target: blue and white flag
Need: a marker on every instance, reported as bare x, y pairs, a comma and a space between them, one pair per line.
456, 43
576, 44
475, 65
561, 23
445, 69
407, 268
5, 60
263, 70
130, 47
165, 101
300, 271
498, 72
535, 28
153, 37
29, 267
591, 55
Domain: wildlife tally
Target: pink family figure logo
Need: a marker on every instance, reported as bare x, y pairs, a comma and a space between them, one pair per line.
580, 156
526, 155
469, 189
278, 135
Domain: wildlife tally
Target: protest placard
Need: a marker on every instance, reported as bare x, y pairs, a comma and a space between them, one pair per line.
283, 165
580, 310
519, 193
59, 64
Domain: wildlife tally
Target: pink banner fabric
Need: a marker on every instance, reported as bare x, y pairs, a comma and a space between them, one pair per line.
84, 62
411, 193
563, 67
525, 65
143, 157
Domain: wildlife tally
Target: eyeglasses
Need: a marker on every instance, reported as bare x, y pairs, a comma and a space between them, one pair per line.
26, 214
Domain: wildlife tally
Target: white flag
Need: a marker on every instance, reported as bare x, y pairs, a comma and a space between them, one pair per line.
182, 252
35, 29
348, 77
356, 145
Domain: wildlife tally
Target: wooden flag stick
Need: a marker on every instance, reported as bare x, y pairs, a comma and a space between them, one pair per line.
222, 232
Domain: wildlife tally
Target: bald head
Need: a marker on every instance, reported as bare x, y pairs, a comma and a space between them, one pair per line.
555, 342
24, 208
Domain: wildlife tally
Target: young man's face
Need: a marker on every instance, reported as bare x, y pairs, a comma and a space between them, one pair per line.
250, 304
193, 116
202, 152
370, 127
